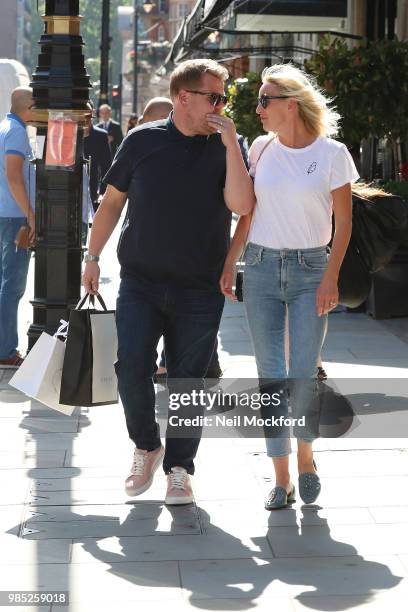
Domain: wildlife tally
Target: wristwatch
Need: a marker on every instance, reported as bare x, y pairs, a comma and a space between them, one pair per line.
89, 258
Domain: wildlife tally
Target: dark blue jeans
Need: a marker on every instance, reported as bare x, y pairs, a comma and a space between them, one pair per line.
213, 362
189, 320
13, 278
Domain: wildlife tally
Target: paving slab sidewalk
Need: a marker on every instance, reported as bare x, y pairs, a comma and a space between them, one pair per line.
67, 525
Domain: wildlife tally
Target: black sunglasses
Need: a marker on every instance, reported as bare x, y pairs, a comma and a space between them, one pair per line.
215, 98
264, 100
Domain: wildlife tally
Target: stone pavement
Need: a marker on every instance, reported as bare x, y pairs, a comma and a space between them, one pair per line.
67, 525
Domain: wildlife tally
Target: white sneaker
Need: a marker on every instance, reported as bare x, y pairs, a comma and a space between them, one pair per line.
179, 489
144, 465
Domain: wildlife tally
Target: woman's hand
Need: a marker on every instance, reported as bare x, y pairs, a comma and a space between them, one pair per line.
327, 295
227, 281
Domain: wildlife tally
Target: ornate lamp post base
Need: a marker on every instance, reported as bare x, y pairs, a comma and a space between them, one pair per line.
60, 83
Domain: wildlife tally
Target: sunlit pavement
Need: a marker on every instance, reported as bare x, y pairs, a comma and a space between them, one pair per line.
67, 524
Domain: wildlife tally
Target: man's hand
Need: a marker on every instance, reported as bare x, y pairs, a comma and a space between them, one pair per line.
226, 282
327, 295
225, 126
90, 277
104, 222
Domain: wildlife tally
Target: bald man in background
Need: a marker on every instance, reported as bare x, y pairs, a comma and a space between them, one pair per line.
155, 109
15, 211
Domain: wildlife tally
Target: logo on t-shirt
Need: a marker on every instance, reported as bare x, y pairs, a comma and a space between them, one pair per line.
312, 168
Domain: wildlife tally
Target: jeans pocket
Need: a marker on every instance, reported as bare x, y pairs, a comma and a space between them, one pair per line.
252, 255
314, 262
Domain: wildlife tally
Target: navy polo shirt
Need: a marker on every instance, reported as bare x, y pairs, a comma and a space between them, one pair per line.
177, 227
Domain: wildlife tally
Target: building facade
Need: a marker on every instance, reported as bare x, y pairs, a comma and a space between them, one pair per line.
153, 47
178, 11
15, 26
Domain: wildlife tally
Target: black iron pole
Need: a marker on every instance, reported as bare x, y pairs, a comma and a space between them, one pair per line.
391, 18
382, 12
380, 19
136, 54
371, 19
105, 48
60, 83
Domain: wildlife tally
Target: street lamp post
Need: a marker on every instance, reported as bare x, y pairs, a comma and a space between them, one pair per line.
147, 7
60, 83
105, 48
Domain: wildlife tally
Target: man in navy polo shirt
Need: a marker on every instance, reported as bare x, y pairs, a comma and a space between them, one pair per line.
15, 211
182, 177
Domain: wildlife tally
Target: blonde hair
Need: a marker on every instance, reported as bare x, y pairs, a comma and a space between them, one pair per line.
367, 191
313, 104
188, 74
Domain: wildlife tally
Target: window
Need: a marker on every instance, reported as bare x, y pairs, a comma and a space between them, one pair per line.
183, 10
161, 34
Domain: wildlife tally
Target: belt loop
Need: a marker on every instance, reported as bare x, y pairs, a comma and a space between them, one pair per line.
299, 256
260, 252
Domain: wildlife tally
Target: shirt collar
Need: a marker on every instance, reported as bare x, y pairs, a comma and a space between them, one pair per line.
175, 133
16, 118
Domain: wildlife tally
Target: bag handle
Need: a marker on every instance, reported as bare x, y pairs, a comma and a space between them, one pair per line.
62, 330
91, 298
262, 152
241, 257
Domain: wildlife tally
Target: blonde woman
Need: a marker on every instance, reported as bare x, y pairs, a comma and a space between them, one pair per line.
301, 176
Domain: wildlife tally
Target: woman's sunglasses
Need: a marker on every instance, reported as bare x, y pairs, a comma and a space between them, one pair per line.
214, 98
264, 100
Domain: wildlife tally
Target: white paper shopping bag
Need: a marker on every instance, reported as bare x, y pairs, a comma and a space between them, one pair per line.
105, 349
39, 376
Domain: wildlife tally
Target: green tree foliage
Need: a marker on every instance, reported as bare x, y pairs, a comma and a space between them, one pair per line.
368, 84
243, 99
91, 27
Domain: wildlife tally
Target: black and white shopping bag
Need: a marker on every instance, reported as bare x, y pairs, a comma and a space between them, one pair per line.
88, 373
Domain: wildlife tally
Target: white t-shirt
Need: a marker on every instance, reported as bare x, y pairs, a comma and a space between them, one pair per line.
293, 191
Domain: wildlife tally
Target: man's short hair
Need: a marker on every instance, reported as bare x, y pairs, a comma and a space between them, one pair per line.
189, 73
105, 107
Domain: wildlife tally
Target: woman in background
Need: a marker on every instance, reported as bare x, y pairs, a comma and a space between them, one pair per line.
132, 122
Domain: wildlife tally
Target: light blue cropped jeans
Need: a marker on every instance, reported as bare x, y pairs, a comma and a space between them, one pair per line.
280, 283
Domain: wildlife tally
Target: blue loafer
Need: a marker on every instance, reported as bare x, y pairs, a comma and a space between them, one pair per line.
279, 498
309, 486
